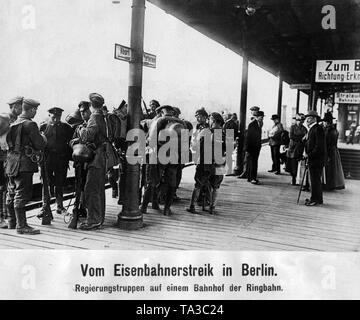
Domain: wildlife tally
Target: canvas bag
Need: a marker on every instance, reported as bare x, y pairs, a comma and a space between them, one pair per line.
13, 157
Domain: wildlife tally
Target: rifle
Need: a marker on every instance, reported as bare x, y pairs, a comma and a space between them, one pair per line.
75, 213
302, 181
47, 215
146, 109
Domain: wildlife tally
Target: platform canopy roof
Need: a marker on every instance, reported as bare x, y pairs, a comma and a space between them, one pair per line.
281, 36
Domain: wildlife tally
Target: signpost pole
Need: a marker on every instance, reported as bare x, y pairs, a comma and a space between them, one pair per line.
280, 96
297, 101
130, 217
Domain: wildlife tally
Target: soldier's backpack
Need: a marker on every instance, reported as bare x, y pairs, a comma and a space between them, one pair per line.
113, 127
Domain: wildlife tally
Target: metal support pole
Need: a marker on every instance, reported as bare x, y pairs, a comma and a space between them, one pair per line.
130, 217
242, 118
297, 101
279, 96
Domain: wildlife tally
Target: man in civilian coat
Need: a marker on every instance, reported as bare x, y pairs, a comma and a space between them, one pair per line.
253, 145
315, 152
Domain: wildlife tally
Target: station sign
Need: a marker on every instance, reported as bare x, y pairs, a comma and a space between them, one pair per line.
301, 86
338, 71
347, 97
125, 54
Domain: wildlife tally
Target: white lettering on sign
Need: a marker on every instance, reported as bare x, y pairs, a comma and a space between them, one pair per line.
149, 60
122, 52
347, 97
338, 71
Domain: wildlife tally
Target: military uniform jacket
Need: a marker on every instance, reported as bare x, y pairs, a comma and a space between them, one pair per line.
95, 133
253, 137
30, 137
58, 137
315, 146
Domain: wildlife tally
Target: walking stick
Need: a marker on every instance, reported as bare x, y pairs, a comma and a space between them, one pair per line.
302, 181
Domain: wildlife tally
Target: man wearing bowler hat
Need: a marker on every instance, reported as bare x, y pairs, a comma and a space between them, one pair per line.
253, 110
57, 154
275, 142
24, 137
315, 153
252, 146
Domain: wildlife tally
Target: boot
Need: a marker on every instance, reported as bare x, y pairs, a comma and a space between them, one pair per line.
194, 196
59, 200
213, 200
4, 205
293, 181
155, 200
3, 224
169, 197
11, 215
22, 226
114, 193
146, 200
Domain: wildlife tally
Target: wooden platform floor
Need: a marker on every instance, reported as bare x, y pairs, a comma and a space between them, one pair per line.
263, 217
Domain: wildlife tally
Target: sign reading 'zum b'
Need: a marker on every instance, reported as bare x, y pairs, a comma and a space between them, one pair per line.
338, 71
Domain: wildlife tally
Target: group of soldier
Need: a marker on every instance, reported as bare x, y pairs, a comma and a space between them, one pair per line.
95, 140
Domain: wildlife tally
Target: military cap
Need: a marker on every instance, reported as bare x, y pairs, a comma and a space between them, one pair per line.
217, 117
84, 104
201, 112
164, 107
17, 99
254, 108
31, 103
312, 113
155, 102
177, 110
274, 116
56, 111
97, 98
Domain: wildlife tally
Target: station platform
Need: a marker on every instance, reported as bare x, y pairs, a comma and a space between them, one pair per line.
249, 217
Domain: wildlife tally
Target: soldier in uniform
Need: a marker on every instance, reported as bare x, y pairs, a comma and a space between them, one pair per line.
197, 148
80, 168
20, 170
209, 174
15, 110
57, 153
95, 134
164, 174
121, 113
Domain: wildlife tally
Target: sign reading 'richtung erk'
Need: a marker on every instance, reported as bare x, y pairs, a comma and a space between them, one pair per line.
338, 71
